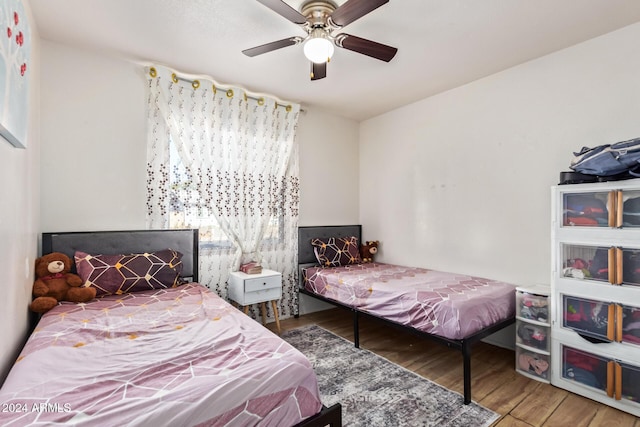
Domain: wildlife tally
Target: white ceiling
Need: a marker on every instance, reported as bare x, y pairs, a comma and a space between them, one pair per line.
441, 44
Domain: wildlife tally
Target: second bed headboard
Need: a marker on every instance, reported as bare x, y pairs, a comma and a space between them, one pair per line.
306, 234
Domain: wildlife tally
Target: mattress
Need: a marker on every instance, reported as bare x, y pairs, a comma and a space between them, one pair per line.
179, 357
450, 305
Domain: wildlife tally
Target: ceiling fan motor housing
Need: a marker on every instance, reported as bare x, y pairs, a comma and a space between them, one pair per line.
318, 12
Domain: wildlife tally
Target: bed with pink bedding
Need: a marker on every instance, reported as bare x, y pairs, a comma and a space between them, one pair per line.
454, 309
446, 304
178, 356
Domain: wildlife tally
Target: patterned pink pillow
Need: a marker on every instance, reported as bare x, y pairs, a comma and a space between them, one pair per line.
120, 274
336, 252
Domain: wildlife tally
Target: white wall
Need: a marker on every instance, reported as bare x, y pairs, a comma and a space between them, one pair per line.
93, 141
19, 207
329, 179
463, 178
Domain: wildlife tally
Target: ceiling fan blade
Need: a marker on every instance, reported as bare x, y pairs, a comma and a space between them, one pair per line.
285, 10
318, 71
367, 47
268, 47
354, 9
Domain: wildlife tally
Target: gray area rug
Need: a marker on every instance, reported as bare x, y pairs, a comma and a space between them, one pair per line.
375, 392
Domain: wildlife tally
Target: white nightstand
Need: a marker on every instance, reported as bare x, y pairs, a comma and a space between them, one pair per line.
246, 289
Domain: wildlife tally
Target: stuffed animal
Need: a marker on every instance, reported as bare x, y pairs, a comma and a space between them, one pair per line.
54, 283
367, 250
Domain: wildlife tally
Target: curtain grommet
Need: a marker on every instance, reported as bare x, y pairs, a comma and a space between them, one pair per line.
261, 101
153, 72
195, 84
230, 93
174, 77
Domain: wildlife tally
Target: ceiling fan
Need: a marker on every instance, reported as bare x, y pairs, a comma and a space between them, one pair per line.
320, 19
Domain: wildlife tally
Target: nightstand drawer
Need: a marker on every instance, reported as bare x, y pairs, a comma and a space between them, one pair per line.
262, 295
262, 283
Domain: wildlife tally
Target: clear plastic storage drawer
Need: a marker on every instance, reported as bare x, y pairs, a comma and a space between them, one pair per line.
533, 335
532, 307
532, 363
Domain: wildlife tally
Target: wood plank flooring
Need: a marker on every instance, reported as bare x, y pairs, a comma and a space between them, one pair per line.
520, 401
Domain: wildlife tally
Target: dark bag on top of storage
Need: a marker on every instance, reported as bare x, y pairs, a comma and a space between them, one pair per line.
609, 159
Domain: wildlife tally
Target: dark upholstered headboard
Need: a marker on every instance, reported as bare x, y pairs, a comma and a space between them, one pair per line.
128, 242
306, 234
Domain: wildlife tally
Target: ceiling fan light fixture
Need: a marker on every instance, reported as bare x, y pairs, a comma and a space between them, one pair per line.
318, 48
319, 19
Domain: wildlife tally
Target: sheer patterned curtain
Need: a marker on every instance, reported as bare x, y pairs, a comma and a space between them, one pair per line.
225, 162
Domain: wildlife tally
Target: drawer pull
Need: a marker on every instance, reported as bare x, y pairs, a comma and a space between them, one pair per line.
611, 208
618, 389
610, 322
610, 377
619, 208
618, 261
618, 323
611, 264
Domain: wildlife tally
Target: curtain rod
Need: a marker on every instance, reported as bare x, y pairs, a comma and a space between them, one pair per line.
195, 83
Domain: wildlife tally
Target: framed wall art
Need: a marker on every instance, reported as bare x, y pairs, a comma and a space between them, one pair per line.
15, 49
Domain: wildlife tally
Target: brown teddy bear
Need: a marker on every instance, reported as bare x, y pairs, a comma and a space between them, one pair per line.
367, 250
54, 283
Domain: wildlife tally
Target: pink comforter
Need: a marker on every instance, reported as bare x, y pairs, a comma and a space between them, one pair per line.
176, 357
446, 304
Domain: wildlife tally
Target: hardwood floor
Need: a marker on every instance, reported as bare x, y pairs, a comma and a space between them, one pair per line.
520, 401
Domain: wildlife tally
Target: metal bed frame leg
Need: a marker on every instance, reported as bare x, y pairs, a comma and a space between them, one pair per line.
356, 329
466, 356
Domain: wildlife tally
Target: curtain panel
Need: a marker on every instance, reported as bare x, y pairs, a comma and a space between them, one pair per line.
226, 162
